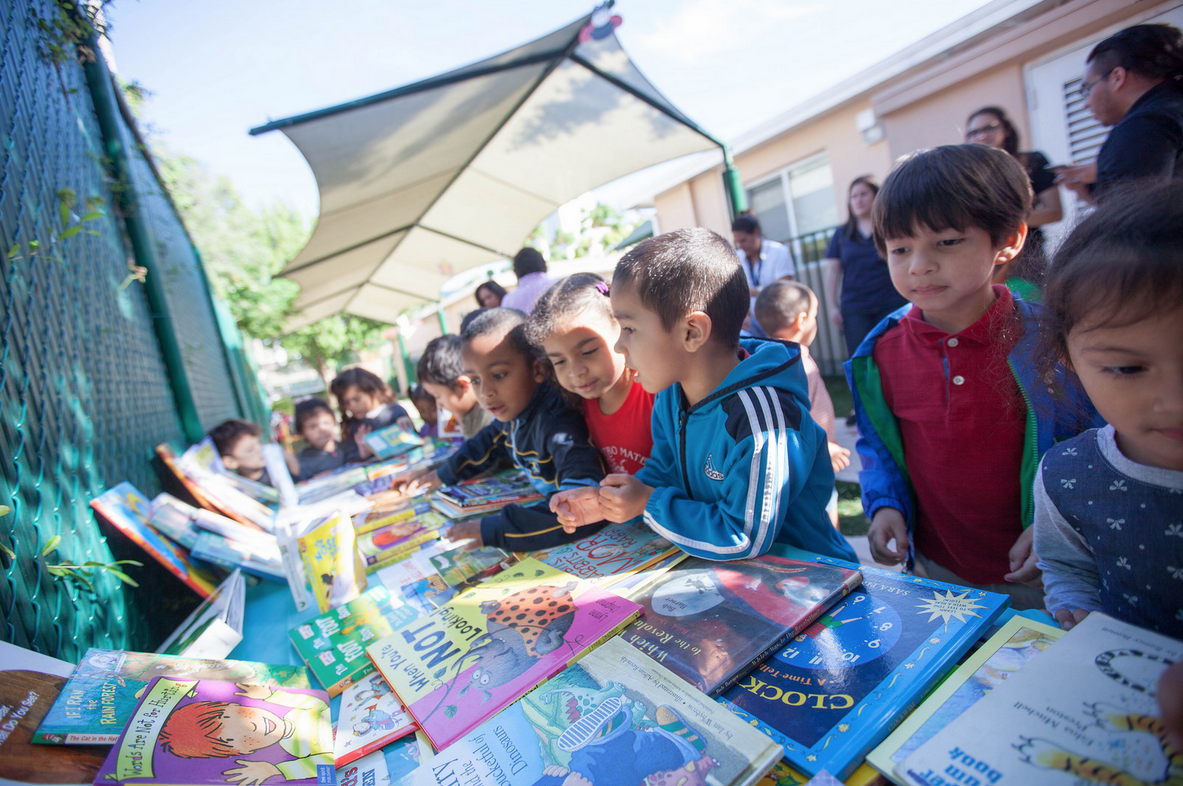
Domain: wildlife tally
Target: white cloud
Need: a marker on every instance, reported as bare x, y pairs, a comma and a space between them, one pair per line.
705, 28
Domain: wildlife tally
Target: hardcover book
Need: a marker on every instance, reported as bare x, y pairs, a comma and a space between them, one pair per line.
609, 555
710, 622
401, 510
334, 644
393, 542
387, 766
174, 519
370, 718
214, 628
467, 564
833, 692
98, 699
213, 492
482, 496
392, 441
1084, 711
264, 562
615, 717
462, 663
198, 732
335, 571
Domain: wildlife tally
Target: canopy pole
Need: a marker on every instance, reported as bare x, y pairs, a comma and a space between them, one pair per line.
410, 368
439, 313
737, 197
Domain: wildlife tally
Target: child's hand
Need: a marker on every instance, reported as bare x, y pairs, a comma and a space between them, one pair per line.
577, 507
415, 483
623, 497
359, 439
250, 773
1070, 618
260, 692
888, 525
466, 530
839, 456
406, 422
1023, 567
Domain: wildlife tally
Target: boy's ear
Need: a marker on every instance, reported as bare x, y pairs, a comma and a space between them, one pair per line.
1012, 244
230, 463
462, 385
696, 330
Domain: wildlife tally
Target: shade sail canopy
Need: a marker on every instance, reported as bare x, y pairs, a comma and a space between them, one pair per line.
424, 181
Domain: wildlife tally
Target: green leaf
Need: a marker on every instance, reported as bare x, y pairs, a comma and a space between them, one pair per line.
11, 554
126, 579
137, 563
4, 510
92, 215
34, 244
50, 545
54, 570
92, 232
64, 212
69, 232
12, 252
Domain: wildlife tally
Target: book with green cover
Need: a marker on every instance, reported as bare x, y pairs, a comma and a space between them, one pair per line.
467, 564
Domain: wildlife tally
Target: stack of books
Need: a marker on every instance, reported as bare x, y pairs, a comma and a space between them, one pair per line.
482, 496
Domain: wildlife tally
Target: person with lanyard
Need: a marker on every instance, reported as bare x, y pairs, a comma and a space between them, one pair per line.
763, 261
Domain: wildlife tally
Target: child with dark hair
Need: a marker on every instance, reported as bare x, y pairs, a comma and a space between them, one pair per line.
490, 294
1107, 503
366, 404
530, 267
737, 461
425, 405
317, 424
952, 413
240, 445
533, 427
441, 374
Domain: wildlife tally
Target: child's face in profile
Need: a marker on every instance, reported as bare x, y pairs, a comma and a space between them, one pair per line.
425, 406
505, 379
357, 402
648, 348
320, 429
583, 355
458, 400
248, 729
246, 456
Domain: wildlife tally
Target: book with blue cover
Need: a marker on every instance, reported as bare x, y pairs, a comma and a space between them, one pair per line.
833, 692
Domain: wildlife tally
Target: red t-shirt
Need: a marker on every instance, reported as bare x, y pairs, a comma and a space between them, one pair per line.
962, 419
625, 438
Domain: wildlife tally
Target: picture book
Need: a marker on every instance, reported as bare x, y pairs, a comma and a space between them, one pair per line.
335, 571
334, 643
214, 493
427, 594
1085, 710
614, 718
784, 775
174, 519
467, 564
202, 732
259, 492
392, 542
29, 684
387, 766
834, 691
280, 475
98, 699
636, 583
325, 486
126, 509
202, 455
616, 551
1007, 651
464, 662
392, 441
214, 628
710, 622
401, 510
485, 495
230, 554
370, 718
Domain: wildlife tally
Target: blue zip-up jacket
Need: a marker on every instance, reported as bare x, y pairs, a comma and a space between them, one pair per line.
1056, 410
745, 467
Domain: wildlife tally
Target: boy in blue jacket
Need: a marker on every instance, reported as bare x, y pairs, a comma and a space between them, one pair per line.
952, 415
738, 463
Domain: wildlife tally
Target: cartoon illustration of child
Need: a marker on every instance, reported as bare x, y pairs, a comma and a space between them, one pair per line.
215, 729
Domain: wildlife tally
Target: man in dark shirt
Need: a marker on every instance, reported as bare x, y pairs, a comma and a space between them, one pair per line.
1133, 81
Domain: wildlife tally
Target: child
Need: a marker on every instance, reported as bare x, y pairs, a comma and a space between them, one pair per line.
425, 406
241, 448
952, 414
316, 423
441, 373
532, 425
366, 404
1114, 312
788, 312
573, 323
737, 461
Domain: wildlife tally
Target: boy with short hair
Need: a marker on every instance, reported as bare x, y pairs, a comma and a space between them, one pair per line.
441, 374
317, 424
737, 462
532, 426
239, 444
952, 413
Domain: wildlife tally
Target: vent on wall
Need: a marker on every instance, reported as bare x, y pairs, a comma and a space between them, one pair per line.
1085, 134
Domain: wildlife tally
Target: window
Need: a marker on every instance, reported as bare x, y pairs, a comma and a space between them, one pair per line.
796, 201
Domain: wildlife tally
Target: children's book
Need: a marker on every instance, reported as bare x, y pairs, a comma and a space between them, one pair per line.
393, 542
636, 583
198, 732
614, 717
392, 441
98, 699
1010, 649
1084, 711
485, 495
616, 551
464, 662
231, 554
333, 644
202, 456
784, 775
275, 462
336, 573
711, 622
401, 510
126, 509
324, 486
29, 684
370, 718
387, 766
834, 691
214, 628
213, 492
259, 492
174, 519
468, 564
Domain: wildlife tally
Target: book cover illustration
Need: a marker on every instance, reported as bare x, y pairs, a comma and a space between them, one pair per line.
614, 718
95, 704
466, 564
198, 732
399, 510
174, 519
485, 495
1084, 711
428, 594
214, 628
390, 543
782, 774
266, 562
392, 441
1007, 651
465, 661
634, 584
334, 643
833, 692
212, 491
609, 555
335, 571
370, 718
126, 509
708, 622
389, 765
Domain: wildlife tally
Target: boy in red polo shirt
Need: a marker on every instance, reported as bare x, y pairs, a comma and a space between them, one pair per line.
952, 415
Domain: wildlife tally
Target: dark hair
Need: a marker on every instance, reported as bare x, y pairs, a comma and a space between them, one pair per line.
307, 408
746, 222
469, 317
528, 261
1010, 137
954, 186
1120, 265
419, 394
491, 286
852, 221
781, 302
570, 296
365, 381
440, 363
1154, 50
688, 270
226, 435
507, 321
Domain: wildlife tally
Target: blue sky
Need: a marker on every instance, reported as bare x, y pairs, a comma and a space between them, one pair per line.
219, 67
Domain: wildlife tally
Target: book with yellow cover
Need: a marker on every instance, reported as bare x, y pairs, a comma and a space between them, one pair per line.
336, 573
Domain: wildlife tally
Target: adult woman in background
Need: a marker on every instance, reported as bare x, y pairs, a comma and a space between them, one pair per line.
489, 294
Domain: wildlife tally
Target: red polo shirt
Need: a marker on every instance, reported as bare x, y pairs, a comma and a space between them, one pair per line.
962, 419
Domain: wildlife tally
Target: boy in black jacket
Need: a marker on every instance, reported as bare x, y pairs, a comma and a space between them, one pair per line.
533, 426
